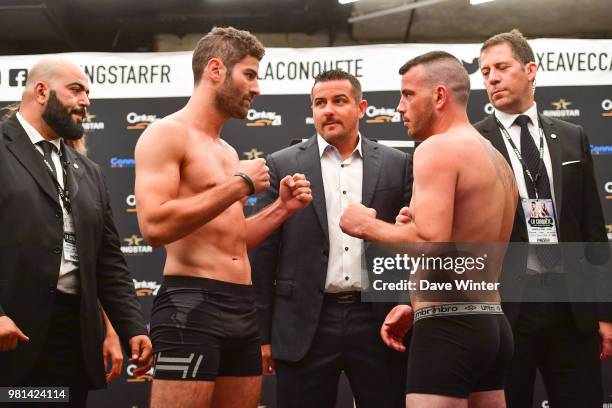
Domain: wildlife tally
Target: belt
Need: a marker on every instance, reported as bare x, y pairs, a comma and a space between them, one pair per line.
449, 309
66, 299
343, 297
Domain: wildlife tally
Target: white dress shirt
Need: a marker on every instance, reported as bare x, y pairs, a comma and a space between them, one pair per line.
342, 182
514, 130
68, 277
507, 120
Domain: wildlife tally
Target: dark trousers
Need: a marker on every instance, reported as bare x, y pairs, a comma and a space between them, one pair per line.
546, 338
61, 361
347, 339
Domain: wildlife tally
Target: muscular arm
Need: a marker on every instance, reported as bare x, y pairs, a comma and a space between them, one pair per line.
163, 217
431, 205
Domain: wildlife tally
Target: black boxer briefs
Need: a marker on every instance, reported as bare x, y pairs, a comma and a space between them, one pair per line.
204, 328
458, 354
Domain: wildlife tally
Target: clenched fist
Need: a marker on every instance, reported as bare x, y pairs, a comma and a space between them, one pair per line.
295, 192
258, 172
354, 218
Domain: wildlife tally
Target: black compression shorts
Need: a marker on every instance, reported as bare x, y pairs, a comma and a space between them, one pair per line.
457, 354
204, 328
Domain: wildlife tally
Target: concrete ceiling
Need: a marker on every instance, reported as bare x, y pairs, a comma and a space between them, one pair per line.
41, 26
458, 21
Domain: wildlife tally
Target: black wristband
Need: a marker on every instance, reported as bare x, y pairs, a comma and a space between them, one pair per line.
247, 180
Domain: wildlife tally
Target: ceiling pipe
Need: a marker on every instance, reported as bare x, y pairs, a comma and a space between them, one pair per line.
393, 10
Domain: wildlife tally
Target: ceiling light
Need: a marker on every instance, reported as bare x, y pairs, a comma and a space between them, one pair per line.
475, 2
347, 1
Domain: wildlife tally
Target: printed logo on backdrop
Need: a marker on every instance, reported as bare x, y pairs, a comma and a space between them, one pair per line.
609, 228
470, 67
146, 288
381, 115
139, 121
263, 118
608, 190
489, 108
606, 106
554, 61
600, 150
309, 120
253, 154
90, 124
130, 200
148, 376
118, 162
308, 70
127, 74
136, 246
18, 77
562, 110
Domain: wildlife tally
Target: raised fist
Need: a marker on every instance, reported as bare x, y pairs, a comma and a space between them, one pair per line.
257, 171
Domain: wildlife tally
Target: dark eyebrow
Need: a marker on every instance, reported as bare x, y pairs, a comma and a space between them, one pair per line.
80, 86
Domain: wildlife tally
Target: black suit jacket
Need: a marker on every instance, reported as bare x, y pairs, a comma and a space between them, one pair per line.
30, 252
578, 207
290, 267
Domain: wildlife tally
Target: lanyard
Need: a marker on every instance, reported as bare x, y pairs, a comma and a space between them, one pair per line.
63, 192
534, 180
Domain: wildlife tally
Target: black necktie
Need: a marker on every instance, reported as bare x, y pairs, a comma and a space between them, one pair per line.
47, 148
531, 156
548, 255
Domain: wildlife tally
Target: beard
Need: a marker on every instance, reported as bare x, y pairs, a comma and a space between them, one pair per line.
421, 128
229, 100
59, 118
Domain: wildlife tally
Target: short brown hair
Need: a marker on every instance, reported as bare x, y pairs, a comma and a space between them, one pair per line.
339, 75
229, 45
442, 68
518, 44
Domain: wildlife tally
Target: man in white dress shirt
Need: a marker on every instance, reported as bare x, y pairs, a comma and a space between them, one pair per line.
552, 165
308, 274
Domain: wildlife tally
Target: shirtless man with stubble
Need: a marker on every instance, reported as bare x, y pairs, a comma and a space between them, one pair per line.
190, 187
456, 359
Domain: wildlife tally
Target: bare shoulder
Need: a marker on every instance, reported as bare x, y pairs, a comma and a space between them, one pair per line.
229, 148
167, 135
436, 152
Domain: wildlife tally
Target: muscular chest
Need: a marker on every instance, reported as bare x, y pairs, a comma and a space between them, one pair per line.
208, 165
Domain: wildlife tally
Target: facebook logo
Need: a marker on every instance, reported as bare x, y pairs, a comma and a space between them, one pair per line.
17, 77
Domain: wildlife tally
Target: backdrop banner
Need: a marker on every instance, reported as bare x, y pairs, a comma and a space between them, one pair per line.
130, 91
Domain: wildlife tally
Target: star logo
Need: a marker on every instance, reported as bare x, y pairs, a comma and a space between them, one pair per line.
561, 104
89, 117
253, 154
134, 240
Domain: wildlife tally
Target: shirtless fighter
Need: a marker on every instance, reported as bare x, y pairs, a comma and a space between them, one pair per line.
190, 186
455, 360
